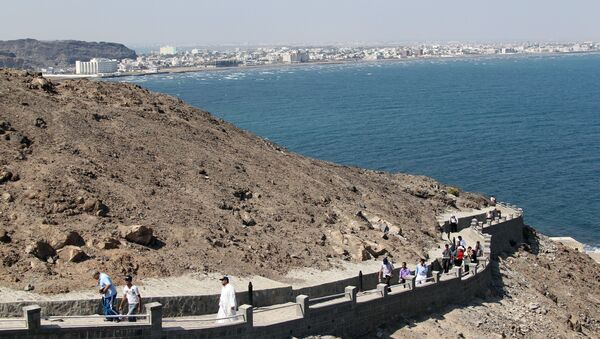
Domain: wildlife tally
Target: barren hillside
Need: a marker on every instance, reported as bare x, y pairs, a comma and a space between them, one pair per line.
82, 162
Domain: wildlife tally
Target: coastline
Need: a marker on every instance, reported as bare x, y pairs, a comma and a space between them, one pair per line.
199, 69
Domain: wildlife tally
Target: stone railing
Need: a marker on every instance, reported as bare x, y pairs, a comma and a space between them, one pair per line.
350, 313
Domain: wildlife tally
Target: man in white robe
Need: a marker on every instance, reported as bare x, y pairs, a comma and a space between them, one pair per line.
227, 302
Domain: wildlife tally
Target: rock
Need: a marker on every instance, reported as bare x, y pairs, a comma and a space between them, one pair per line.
41, 83
79, 200
108, 244
41, 250
28, 288
72, 254
7, 197
64, 239
5, 176
533, 306
138, 234
224, 205
96, 207
574, 323
4, 236
247, 220
40, 123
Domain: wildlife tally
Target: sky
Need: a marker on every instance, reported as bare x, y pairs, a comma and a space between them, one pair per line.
239, 22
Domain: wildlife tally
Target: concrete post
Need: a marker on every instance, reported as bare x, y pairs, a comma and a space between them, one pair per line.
351, 293
410, 281
302, 300
458, 271
32, 315
436, 276
248, 312
383, 289
503, 219
488, 222
154, 311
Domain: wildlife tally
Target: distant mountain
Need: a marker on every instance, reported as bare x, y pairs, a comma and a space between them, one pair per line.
35, 54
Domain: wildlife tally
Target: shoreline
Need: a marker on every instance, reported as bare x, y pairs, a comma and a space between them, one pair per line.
199, 69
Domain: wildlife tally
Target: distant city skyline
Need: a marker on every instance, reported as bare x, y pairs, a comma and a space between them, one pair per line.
139, 23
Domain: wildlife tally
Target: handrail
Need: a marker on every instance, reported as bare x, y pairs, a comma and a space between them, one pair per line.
174, 320
91, 316
328, 297
261, 310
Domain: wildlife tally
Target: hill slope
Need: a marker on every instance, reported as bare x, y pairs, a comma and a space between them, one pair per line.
35, 54
95, 157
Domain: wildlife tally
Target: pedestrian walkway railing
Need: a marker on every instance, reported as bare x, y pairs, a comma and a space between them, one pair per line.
204, 319
327, 298
11, 323
273, 308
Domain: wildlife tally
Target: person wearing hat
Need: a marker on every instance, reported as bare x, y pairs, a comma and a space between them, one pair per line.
109, 294
227, 302
131, 293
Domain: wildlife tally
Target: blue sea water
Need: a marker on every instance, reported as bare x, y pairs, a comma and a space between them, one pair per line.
526, 129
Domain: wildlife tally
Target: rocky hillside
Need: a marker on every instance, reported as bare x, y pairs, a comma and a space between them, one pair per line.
112, 176
35, 54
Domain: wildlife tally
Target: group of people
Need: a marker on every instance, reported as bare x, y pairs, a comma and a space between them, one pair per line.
133, 299
457, 252
386, 273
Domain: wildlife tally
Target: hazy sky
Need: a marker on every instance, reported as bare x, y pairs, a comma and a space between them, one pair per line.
179, 22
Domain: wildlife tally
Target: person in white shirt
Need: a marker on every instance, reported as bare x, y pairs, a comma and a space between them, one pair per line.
109, 294
453, 225
421, 272
131, 293
462, 242
493, 200
386, 271
227, 302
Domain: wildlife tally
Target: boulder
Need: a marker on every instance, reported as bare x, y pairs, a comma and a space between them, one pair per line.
247, 220
138, 234
41, 83
96, 207
72, 254
7, 197
108, 244
4, 236
64, 239
41, 250
5, 176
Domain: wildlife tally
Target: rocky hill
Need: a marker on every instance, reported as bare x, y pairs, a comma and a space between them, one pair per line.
83, 162
35, 54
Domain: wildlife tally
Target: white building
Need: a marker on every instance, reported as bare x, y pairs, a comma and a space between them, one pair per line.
292, 57
168, 50
96, 66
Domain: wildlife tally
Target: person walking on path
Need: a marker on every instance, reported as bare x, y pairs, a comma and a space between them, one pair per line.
227, 302
453, 225
131, 293
421, 272
109, 294
404, 272
446, 256
385, 273
462, 242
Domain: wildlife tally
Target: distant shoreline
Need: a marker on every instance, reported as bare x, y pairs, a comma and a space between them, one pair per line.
197, 69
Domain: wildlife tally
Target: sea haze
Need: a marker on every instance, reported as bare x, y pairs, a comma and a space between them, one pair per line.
526, 129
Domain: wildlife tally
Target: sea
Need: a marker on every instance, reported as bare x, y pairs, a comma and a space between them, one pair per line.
523, 128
